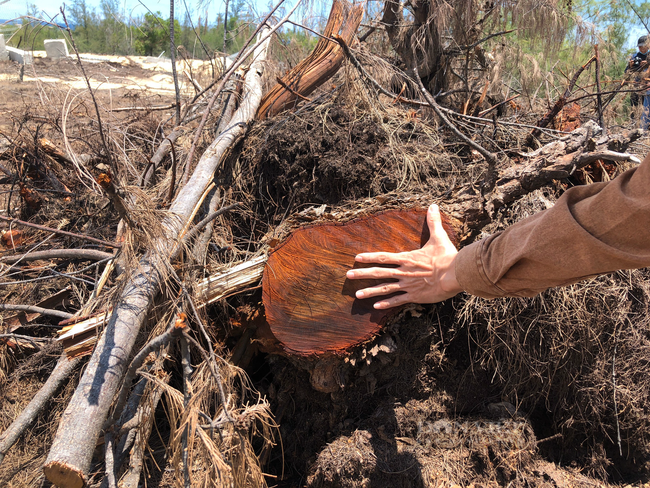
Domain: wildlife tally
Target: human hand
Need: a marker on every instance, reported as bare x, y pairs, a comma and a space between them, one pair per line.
426, 275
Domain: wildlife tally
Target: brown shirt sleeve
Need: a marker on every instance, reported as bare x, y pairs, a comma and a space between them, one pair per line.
591, 230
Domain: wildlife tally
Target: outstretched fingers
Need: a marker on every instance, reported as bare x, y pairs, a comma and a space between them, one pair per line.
383, 289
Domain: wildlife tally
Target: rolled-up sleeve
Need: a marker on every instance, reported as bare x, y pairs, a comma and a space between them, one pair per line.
591, 230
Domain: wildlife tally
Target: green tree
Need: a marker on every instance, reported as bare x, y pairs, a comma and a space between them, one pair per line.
153, 35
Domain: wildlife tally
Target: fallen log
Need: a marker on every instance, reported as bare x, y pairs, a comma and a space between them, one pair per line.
70, 456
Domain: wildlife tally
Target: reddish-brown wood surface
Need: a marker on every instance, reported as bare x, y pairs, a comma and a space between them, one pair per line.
310, 304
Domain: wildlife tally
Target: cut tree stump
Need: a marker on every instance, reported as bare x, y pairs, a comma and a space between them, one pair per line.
310, 305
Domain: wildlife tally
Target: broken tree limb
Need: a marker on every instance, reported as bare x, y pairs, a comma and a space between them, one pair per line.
243, 55
82, 254
60, 232
61, 372
231, 281
490, 158
556, 160
559, 104
69, 459
321, 64
34, 309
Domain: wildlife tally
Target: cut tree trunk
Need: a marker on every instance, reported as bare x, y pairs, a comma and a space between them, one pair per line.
310, 305
69, 459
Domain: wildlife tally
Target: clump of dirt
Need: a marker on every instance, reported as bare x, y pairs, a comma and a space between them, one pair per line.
333, 153
311, 161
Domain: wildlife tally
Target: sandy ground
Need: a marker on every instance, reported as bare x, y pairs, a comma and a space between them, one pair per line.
118, 82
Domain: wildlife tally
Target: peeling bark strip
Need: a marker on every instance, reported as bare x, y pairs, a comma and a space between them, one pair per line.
323, 63
310, 305
69, 459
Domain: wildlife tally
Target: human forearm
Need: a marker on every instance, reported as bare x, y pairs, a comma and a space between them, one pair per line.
591, 230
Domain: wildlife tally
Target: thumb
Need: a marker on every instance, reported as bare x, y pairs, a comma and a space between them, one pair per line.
437, 233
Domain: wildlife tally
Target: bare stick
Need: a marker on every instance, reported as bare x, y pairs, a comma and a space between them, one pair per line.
148, 109
201, 244
647, 29
599, 98
109, 458
225, 29
172, 55
82, 254
187, 372
35, 309
172, 333
60, 232
197, 228
491, 158
61, 372
30, 339
618, 427
161, 152
132, 477
92, 94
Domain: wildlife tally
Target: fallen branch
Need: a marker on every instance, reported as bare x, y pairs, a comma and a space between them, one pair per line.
559, 104
490, 158
34, 309
243, 55
81, 254
148, 109
61, 372
599, 98
70, 456
60, 232
321, 64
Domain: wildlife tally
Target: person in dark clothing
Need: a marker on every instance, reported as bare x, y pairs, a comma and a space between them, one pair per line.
638, 64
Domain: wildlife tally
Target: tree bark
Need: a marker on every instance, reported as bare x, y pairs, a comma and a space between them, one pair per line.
321, 64
69, 459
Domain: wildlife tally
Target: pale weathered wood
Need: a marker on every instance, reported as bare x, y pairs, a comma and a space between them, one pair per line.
70, 456
83, 254
80, 337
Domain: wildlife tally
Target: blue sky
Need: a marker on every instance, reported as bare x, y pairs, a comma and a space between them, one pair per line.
15, 8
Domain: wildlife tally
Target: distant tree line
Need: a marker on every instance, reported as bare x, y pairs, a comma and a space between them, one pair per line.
111, 30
